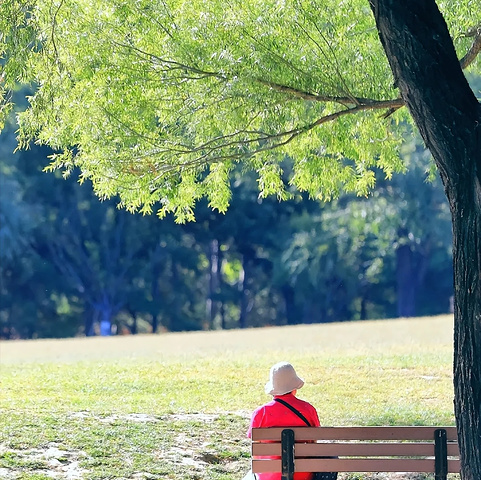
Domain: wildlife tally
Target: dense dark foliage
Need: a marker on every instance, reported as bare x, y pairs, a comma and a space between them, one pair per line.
73, 265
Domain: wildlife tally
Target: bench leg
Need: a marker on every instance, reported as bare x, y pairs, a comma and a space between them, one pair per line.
287, 459
440, 454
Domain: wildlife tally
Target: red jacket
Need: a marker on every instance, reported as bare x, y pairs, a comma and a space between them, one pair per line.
274, 414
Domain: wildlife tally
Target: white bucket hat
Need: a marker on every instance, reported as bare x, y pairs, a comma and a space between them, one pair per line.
283, 379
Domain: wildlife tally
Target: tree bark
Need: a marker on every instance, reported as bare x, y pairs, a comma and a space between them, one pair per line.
428, 74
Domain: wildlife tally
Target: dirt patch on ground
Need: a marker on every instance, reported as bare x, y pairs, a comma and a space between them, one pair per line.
50, 462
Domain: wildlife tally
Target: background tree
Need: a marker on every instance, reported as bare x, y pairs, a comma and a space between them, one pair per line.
30, 295
56, 239
157, 102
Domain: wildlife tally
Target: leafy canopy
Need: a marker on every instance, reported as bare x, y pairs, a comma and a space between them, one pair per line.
157, 101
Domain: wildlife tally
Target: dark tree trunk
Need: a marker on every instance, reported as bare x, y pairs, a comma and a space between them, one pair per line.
89, 321
223, 324
311, 313
214, 282
428, 74
406, 282
363, 314
175, 322
155, 322
244, 300
290, 307
244, 284
411, 267
157, 256
134, 327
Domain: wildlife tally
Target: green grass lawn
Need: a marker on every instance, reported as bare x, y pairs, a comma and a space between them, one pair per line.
176, 406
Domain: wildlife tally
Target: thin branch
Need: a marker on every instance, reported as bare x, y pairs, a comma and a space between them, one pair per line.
273, 53
153, 18
475, 48
172, 64
52, 34
329, 46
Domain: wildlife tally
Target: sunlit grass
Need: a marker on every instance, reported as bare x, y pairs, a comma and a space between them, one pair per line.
196, 392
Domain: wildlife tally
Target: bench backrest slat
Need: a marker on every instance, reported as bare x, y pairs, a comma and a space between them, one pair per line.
371, 465
355, 465
354, 433
350, 449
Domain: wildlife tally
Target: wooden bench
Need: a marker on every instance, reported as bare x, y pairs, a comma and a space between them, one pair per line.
358, 449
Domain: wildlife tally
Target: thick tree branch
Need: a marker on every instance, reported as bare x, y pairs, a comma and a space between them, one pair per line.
475, 48
393, 104
346, 101
426, 43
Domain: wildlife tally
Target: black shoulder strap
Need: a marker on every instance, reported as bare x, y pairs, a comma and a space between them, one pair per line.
297, 412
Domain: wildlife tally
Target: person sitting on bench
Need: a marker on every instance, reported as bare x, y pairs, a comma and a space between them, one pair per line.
284, 410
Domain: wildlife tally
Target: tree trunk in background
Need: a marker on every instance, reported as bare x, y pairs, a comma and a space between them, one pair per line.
155, 322
406, 284
243, 298
292, 315
157, 259
105, 313
245, 295
427, 72
214, 271
89, 321
134, 326
220, 289
312, 312
363, 313
175, 320
411, 267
